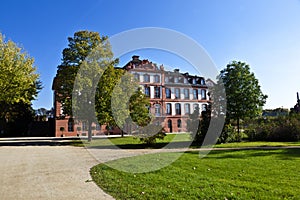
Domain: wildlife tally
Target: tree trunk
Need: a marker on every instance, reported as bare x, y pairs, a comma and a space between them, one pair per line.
89, 131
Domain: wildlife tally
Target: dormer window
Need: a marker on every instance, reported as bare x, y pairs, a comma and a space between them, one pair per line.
194, 81
156, 79
202, 82
175, 80
137, 77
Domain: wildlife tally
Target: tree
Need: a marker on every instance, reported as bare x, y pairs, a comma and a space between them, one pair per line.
79, 47
243, 94
86, 82
91, 54
19, 81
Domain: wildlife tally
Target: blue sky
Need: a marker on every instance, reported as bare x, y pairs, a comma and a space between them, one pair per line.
265, 34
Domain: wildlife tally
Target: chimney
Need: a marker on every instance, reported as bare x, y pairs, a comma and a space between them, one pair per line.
135, 57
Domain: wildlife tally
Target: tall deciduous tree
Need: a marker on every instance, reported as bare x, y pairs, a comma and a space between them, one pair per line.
79, 47
243, 94
86, 80
19, 81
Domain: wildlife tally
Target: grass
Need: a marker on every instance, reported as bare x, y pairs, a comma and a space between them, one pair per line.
130, 142
179, 140
256, 144
243, 174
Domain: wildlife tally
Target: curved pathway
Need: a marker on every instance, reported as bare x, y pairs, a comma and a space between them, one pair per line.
44, 170
47, 172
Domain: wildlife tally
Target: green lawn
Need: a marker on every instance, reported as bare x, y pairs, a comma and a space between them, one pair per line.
130, 142
256, 144
243, 174
182, 140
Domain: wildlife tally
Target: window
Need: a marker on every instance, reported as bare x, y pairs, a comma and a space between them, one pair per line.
186, 93
98, 127
176, 80
147, 91
157, 92
177, 93
137, 77
168, 93
178, 109
169, 109
195, 106
195, 94
156, 79
204, 107
146, 78
179, 123
194, 81
157, 109
166, 79
187, 108
71, 125
84, 128
170, 124
203, 94
202, 81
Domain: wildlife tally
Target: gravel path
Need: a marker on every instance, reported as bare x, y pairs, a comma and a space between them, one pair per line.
47, 172
41, 170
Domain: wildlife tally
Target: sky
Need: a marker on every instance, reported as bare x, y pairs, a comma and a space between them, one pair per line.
264, 34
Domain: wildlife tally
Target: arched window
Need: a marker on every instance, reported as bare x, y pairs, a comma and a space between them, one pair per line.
169, 109
179, 123
178, 109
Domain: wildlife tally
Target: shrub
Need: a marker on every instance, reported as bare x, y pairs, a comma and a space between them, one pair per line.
283, 128
229, 134
147, 137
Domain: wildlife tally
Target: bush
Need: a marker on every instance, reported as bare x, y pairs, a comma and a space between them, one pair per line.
150, 133
229, 134
279, 129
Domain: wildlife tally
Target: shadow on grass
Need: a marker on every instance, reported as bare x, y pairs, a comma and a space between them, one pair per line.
172, 145
283, 154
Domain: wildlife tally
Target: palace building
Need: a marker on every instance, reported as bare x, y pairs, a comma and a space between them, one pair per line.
173, 96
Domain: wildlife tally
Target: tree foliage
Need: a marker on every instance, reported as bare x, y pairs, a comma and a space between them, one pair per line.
19, 81
243, 94
86, 83
79, 47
